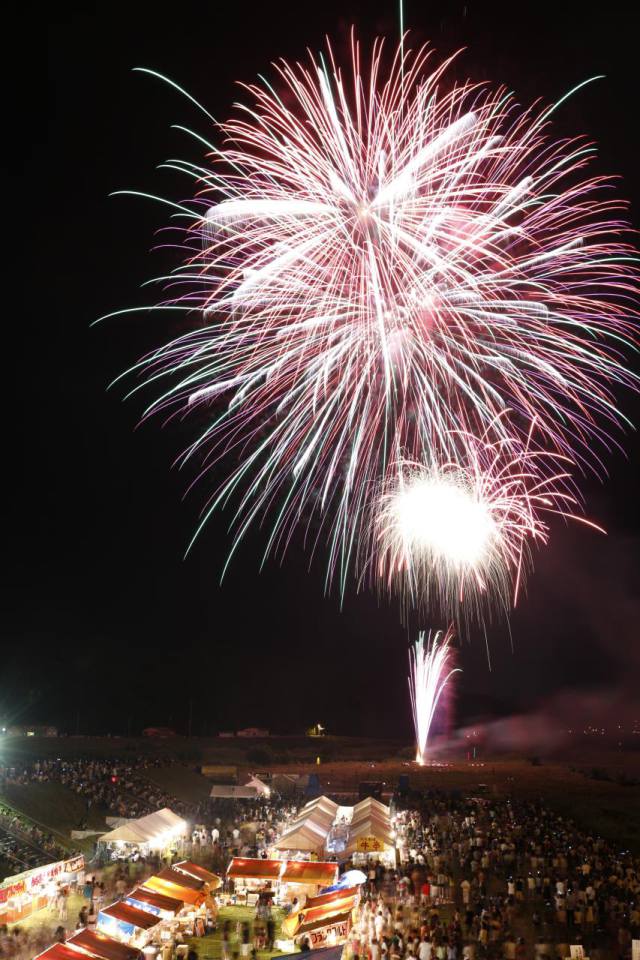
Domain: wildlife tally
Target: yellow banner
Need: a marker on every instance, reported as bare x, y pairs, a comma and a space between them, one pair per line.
369, 845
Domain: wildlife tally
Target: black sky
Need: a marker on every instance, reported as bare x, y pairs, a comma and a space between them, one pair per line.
105, 618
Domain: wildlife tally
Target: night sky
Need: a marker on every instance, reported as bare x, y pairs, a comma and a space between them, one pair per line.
105, 619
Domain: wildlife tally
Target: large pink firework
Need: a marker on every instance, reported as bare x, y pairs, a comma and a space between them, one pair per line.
390, 263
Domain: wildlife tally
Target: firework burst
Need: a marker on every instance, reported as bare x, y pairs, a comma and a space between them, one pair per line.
386, 262
457, 536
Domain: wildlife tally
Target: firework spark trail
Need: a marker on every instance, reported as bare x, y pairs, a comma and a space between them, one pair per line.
385, 268
429, 672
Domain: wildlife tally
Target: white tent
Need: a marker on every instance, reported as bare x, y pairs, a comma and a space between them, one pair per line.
260, 786
229, 791
305, 835
320, 803
370, 834
370, 803
155, 830
310, 829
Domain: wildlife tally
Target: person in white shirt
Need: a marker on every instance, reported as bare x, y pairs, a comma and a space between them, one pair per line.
425, 950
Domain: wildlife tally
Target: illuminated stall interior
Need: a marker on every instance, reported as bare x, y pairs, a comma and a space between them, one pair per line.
159, 831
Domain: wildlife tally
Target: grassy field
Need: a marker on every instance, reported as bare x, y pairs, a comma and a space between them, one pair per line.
602, 805
210, 948
183, 782
197, 750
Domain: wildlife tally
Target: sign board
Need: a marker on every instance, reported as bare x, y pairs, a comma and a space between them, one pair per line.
219, 772
332, 933
635, 950
38, 877
369, 845
577, 951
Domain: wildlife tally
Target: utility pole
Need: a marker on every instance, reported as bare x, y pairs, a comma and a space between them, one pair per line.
190, 717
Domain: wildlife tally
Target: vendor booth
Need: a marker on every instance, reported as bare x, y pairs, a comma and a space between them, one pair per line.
285, 879
371, 840
196, 872
308, 876
253, 876
159, 831
27, 892
325, 931
305, 836
60, 951
371, 833
315, 913
309, 832
186, 894
155, 903
99, 945
127, 923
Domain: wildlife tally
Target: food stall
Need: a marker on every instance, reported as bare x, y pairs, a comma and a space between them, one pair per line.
127, 923
306, 877
252, 876
155, 903
28, 892
99, 945
161, 831
60, 951
323, 931
320, 914
170, 883
304, 836
196, 872
371, 839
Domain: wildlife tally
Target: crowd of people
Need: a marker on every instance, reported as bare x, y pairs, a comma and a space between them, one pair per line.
23, 844
121, 787
497, 879
477, 877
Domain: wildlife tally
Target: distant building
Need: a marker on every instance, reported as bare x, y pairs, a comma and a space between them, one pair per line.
317, 730
252, 732
37, 730
220, 772
159, 732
